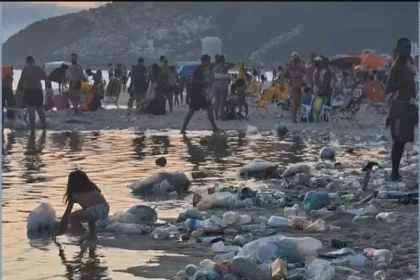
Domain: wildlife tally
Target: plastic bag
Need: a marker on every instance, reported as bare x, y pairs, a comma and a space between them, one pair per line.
218, 200
41, 218
292, 248
316, 201
127, 228
258, 166
319, 270
298, 168
143, 214
151, 185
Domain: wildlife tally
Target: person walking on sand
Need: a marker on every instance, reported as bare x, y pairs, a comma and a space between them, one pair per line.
81, 190
33, 95
200, 85
76, 77
402, 114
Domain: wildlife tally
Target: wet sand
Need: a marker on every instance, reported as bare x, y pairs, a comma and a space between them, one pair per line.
142, 257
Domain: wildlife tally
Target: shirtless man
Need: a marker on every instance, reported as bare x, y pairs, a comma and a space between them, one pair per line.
76, 77
33, 95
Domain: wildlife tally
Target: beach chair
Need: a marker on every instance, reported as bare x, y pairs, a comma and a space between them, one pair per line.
322, 112
112, 92
305, 108
266, 98
349, 111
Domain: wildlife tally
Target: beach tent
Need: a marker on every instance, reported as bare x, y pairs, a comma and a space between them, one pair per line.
186, 69
372, 60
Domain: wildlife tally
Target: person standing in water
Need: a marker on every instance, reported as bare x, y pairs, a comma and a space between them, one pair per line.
33, 95
200, 85
402, 114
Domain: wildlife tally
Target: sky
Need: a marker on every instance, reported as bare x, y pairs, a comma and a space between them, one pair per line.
86, 5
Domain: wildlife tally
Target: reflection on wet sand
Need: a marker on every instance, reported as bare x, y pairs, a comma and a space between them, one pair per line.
35, 169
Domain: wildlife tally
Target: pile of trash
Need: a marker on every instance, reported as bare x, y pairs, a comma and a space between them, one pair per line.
248, 246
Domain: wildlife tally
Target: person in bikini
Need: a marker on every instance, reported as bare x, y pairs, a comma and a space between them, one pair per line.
81, 190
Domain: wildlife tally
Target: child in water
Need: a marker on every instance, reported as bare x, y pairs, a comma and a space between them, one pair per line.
94, 206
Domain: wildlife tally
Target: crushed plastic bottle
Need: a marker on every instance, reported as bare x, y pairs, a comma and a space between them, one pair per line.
321, 212
387, 217
352, 277
219, 259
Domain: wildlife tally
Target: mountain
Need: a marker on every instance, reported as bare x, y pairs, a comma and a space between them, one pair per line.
18, 15
260, 31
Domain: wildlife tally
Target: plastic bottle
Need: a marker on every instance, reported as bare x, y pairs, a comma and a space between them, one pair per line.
352, 277
381, 256
276, 221
165, 232
210, 265
387, 217
348, 197
279, 269
293, 211
246, 228
321, 212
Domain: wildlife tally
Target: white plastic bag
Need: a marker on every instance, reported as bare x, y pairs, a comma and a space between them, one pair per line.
294, 249
127, 228
41, 218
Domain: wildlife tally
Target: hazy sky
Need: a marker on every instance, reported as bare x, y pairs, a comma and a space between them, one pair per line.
72, 4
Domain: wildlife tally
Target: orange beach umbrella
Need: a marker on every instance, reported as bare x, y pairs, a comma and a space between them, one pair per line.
372, 60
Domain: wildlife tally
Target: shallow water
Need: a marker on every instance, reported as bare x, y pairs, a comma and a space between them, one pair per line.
35, 170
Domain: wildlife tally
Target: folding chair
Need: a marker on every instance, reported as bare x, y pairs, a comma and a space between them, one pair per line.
266, 98
305, 108
324, 111
112, 92
348, 111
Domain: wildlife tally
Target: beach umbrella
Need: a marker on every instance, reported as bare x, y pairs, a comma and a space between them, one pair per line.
345, 61
241, 72
56, 71
372, 60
